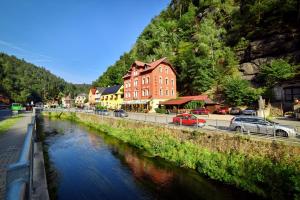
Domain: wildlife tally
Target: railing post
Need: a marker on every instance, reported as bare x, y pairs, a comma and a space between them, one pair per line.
20, 174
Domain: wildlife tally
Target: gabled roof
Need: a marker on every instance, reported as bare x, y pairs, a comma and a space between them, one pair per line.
82, 95
93, 90
150, 66
100, 89
111, 90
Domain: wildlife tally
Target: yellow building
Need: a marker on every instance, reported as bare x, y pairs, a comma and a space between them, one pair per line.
112, 97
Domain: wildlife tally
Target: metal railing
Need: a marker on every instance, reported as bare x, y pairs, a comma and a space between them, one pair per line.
211, 124
19, 176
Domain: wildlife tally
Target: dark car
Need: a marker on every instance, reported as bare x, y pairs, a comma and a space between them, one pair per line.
235, 111
102, 112
3, 106
188, 120
200, 111
120, 113
222, 110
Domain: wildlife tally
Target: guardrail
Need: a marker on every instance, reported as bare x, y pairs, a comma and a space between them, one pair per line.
19, 175
211, 124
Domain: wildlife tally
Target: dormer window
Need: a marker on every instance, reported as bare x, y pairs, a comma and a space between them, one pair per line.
145, 66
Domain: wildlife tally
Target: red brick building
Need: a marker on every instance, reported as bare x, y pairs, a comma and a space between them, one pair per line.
147, 84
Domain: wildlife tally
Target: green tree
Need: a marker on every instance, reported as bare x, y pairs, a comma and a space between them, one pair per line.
239, 92
278, 70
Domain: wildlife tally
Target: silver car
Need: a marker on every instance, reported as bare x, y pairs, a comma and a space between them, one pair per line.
260, 125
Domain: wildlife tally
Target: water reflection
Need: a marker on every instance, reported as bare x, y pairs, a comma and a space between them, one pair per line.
93, 166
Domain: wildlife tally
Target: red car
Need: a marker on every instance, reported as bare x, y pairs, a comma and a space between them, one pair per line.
188, 120
222, 110
200, 111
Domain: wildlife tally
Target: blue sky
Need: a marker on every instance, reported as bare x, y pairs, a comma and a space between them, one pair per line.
74, 39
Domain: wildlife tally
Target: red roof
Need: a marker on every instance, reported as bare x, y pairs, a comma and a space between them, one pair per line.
93, 90
185, 99
151, 66
196, 98
175, 102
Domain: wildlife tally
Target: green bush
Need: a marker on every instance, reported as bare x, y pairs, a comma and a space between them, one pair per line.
161, 110
194, 104
238, 91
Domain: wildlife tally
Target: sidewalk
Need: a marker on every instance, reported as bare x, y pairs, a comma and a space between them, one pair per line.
10, 146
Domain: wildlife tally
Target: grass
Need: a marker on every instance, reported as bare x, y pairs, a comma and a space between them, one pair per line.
268, 169
6, 124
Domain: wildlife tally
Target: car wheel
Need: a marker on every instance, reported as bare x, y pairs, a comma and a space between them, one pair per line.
282, 133
238, 129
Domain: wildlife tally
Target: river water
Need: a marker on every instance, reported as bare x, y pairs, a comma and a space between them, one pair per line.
91, 165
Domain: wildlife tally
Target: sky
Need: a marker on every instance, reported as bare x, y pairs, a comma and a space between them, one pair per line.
74, 39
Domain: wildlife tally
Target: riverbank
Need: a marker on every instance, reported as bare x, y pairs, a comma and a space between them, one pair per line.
267, 168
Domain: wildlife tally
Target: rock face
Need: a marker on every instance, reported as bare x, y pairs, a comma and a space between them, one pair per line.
262, 51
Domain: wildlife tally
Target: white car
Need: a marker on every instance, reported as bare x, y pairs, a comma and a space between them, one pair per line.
260, 125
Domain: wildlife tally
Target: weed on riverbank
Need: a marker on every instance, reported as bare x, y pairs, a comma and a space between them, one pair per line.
269, 169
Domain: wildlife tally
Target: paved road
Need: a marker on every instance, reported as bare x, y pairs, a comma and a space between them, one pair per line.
10, 147
5, 113
213, 122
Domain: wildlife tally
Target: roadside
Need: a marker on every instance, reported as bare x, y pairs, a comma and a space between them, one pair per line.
10, 145
5, 113
6, 124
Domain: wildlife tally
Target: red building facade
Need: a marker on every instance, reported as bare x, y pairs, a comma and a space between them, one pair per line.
146, 84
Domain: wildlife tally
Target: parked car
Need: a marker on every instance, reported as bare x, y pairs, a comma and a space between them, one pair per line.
188, 120
260, 125
249, 112
235, 111
102, 112
16, 107
3, 106
222, 110
200, 111
120, 113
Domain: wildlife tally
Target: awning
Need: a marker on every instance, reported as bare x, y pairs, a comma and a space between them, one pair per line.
135, 102
175, 102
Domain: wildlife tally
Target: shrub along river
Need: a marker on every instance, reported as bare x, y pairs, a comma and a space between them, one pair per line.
86, 164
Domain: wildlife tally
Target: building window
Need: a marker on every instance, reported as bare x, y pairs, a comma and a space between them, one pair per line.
167, 92
172, 82
160, 92
167, 81
160, 80
135, 94
172, 92
292, 93
160, 69
147, 92
167, 70
129, 84
147, 80
135, 73
135, 83
143, 80
143, 92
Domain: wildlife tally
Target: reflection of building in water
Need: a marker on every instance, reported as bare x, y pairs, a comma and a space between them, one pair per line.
94, 140
143, 168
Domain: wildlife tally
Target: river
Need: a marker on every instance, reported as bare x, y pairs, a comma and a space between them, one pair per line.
86, 164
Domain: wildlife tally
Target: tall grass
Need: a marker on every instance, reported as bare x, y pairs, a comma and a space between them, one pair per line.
268, 169
6, 124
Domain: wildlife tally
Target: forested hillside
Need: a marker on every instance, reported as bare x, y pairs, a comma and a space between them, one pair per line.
220, 47
24, 82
